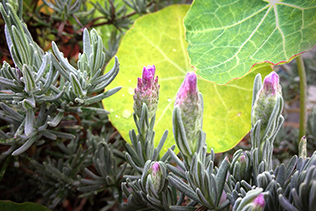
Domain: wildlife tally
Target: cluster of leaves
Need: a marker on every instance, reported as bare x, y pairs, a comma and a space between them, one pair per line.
44, 98
33, 100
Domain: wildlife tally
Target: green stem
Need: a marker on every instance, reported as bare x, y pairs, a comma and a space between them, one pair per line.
303, 87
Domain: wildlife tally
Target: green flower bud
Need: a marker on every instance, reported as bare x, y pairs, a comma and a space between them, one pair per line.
147, 92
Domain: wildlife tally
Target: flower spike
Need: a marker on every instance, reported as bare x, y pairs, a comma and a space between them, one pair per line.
147, 91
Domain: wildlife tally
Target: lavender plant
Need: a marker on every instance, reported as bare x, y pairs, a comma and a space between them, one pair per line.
249, 182
43, 87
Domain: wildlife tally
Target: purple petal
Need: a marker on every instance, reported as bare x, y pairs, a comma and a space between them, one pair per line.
271, 83
259, 201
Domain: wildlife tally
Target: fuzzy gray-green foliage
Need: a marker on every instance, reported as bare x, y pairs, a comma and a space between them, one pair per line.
43, 87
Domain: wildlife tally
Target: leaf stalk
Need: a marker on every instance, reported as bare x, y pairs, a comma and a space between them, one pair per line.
303, 87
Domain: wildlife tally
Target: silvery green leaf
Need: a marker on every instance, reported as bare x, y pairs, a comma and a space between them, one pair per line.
121, 171
59, 67
202, 199
25, 146
11, 112
286, 204
4, 97
93, 78
94, 110
29, 121
79, 101
62, 134
28, 79
160, 145
29, 103
131, 151
63, 61
76, 86
108, 75
179, 133
131, 162
75, 7
54, 122
82, 64
272, 127
221, 178
8, 37
19, 130
50, 98
312, 196
51, 76
22, 47
104, 83
41, 71
91, 174
7, 82
280, 174
166, 156
256, 87
209, 186
9, 119
290, 167
8, 72
37, 55
182, 186
49, 135
86, 43
101, 96
98, 60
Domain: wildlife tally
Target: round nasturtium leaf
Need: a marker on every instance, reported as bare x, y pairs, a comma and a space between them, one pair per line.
158, 39
226, 38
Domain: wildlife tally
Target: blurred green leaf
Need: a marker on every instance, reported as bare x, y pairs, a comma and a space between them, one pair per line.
26, 206
226, 38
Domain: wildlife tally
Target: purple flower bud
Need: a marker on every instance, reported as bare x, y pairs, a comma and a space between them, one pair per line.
190, 104
243, 164
242, 159
156, 176
155, 168
271, 84
188, 89
259, 203
266, 99
239, 168
147, 91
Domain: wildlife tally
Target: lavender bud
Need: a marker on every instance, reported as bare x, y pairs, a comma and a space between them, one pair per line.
190, 105
156, 176
259, 203
243, 164
266, 99
147, 91
302, 149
